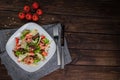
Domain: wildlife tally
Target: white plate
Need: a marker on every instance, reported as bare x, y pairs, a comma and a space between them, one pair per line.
11, 42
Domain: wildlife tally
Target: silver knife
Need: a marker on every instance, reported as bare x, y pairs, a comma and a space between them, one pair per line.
56, 38
62, 45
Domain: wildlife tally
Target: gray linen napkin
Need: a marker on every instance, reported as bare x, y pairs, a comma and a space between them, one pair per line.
19, 74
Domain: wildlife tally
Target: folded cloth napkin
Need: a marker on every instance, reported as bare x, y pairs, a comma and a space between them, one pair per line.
18, 73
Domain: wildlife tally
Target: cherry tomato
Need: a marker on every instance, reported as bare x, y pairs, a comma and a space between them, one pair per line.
21, 15
42, 36
35, 17
44, 53
35, 5
39, 12
26, 8
17, 40
28, 16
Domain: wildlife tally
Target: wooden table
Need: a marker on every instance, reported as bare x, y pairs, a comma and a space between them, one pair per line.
92, 29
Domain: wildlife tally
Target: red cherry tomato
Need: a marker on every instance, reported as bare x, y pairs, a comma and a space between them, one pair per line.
17, 40
28, 16
44, 53
26, 8
42, 36
39, 12
21, 15
35, 5
35, 17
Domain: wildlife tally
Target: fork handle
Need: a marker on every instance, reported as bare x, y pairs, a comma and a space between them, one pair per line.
58, 54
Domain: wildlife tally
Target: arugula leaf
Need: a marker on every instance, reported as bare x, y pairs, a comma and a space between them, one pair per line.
46, 41
36, 60
24, 33
36, 41
37, 50
17, 53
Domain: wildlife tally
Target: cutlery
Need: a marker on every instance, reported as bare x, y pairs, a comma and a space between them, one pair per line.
56, 38
62, 47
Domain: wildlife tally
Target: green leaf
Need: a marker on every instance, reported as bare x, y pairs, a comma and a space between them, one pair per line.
36, 41
24, 33
36, 60
40, 56
27, 47
22, 37
31, 44
46, 41
17, 53
37, 50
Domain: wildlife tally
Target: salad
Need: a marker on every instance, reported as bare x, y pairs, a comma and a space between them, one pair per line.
31, 47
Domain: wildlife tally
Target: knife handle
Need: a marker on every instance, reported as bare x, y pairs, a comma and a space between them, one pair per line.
62, 58
62, 34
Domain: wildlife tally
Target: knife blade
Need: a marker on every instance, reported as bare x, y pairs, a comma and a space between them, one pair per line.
62, 47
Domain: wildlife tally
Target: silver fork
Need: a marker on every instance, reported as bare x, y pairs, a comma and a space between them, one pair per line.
56, 38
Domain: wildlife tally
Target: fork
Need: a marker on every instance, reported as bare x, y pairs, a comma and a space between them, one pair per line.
56, 38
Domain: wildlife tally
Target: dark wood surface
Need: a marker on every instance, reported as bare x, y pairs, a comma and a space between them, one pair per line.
92, 29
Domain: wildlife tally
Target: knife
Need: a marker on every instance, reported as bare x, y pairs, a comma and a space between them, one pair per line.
62, 47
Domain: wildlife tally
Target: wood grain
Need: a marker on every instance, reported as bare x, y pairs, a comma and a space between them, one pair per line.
92, 29
69, 7
85, 73
72, 72
93, 41
72, 23
95, 57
